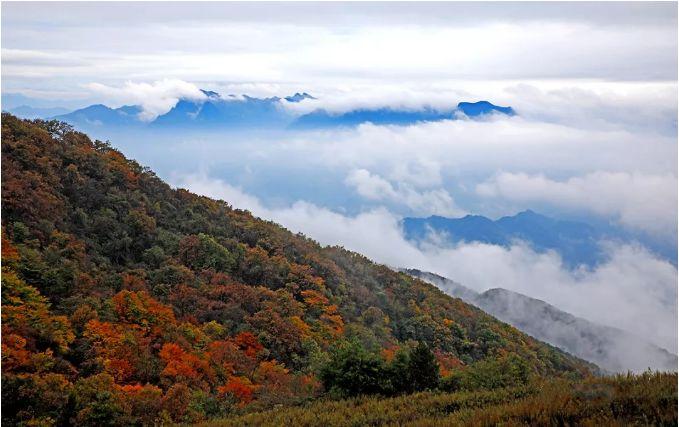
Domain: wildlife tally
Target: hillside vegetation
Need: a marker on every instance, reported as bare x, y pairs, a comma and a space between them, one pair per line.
127, 302
647, 399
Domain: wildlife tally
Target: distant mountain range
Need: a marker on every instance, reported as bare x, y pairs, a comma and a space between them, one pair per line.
577, 243
610, 348
230, 112
388, 116
27, 112
101, 115
474, 109
381, 116
237, 112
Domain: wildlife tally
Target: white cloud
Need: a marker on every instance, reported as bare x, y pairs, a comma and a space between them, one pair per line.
155, 98
643, 201
497, 167
421, 172
646, 106
515, 143
371, 186
490, 43
428, 202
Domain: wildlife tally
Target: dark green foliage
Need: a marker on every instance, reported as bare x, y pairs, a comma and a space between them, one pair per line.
353, 371
489, 374
400, 372
423, 370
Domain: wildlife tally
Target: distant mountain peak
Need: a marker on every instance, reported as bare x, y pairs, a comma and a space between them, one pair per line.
97, 107
210, 93
474, 217
130, 109
528, 213
297, 97
479, 108
28, 112
576, 242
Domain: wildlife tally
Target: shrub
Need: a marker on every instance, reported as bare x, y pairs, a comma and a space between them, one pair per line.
353, 371
489, 374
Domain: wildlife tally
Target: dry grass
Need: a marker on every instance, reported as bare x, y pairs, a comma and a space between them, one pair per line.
647, 399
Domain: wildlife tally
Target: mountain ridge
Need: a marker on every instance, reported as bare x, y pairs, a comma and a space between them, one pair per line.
613, 349
578, 243
245, 111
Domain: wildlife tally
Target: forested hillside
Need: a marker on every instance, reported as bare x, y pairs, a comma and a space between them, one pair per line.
125, 301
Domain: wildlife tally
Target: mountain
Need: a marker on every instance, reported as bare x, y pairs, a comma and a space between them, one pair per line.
611, 348
390, 116
230, 112
480, 108
99, 115
26, 112
128, 301
10, 101
576, 242
245, 112
213, 112
381, 116
297, 97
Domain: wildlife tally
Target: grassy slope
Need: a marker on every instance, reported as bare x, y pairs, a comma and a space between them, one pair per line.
647, 399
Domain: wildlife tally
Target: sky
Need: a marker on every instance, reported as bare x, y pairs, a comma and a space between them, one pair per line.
56, 49
595, 137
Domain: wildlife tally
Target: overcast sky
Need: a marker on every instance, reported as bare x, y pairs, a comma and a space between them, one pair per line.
55, 49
